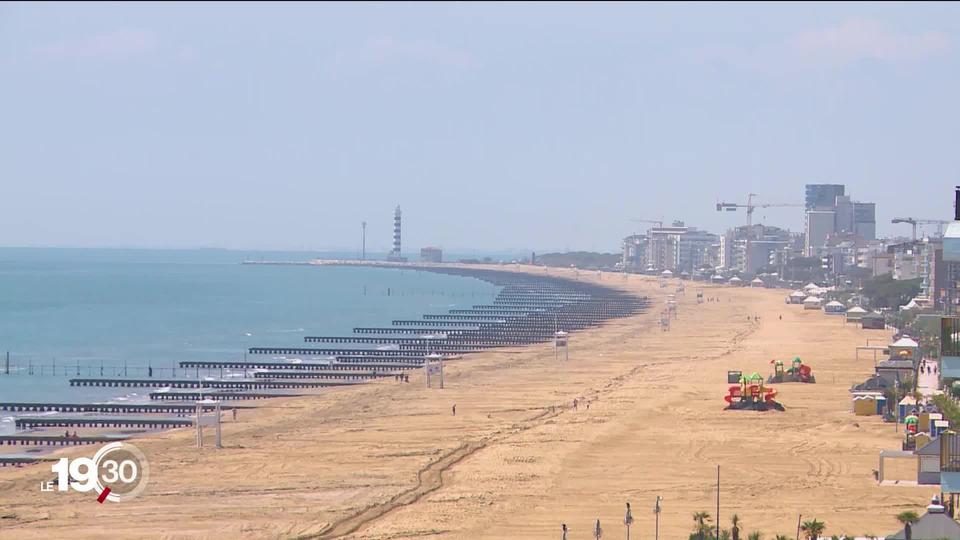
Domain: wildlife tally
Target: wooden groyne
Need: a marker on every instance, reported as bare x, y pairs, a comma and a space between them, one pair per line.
106, 408
93, 421
223, 384
56, 440
223, 396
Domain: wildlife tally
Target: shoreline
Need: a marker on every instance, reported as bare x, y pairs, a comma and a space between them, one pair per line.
522, 462
124, 397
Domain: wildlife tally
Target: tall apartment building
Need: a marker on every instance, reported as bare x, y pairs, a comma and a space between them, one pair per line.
635, 252
823, 196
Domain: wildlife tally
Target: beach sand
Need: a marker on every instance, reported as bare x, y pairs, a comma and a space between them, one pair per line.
389, 460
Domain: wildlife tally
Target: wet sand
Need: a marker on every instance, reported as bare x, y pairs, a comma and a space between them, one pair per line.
389, 460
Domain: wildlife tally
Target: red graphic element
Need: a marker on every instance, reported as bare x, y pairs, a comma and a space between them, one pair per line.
103, 495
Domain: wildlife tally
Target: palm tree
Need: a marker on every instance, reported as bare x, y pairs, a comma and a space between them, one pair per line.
735, 530
701, 519
813, 529
908, 518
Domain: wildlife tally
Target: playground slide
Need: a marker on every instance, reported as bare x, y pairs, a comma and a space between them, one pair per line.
733, 392
769, 395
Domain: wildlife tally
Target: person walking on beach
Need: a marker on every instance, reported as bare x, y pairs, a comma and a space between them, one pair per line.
563, 528
234, 414
574, 403
454, 409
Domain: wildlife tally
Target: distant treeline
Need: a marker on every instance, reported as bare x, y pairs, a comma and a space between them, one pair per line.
580, 259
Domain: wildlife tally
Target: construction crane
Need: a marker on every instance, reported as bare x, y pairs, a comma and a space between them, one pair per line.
750, 206
657, 221
917, 221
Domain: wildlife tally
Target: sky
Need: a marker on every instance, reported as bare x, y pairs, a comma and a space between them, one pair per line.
495, 126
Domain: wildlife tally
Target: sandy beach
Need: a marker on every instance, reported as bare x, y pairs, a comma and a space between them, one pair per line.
390, 460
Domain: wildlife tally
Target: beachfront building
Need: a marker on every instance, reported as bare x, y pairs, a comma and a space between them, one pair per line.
431, 254
696, 249
822, 195
811, 302
749, 249
634, 255
677, 248
662, 246
819, 226
830, 211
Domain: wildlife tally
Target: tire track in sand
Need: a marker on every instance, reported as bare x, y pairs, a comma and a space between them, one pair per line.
429, 479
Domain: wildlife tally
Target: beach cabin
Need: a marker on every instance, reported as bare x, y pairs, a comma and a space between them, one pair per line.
757, 282
666, 274
855, 313
796, 297
811, 302
938, 427
834, 308
735, 281
868, 403
928, 468
810, 287
905, 348
906, 407
873, 321
717, 278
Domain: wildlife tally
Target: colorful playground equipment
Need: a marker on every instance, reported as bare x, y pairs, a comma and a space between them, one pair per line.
751, 395
798, 372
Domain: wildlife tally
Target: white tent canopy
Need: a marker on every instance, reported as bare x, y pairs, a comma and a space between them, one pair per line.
811, 299
856, 309
666, 273
834, 303
910, 306
798, 294
735, 279
905, 342
809, 286
756, 280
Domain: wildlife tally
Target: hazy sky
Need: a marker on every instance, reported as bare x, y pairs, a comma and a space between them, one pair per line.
537, 126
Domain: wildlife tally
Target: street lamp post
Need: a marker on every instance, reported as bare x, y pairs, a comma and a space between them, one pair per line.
656, 514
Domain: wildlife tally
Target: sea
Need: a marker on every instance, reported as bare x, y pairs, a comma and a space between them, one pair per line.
85, 312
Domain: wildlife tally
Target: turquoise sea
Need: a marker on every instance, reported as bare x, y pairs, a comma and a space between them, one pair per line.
70, 311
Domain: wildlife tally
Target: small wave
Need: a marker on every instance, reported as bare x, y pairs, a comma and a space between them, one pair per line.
248, 334
286, 331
